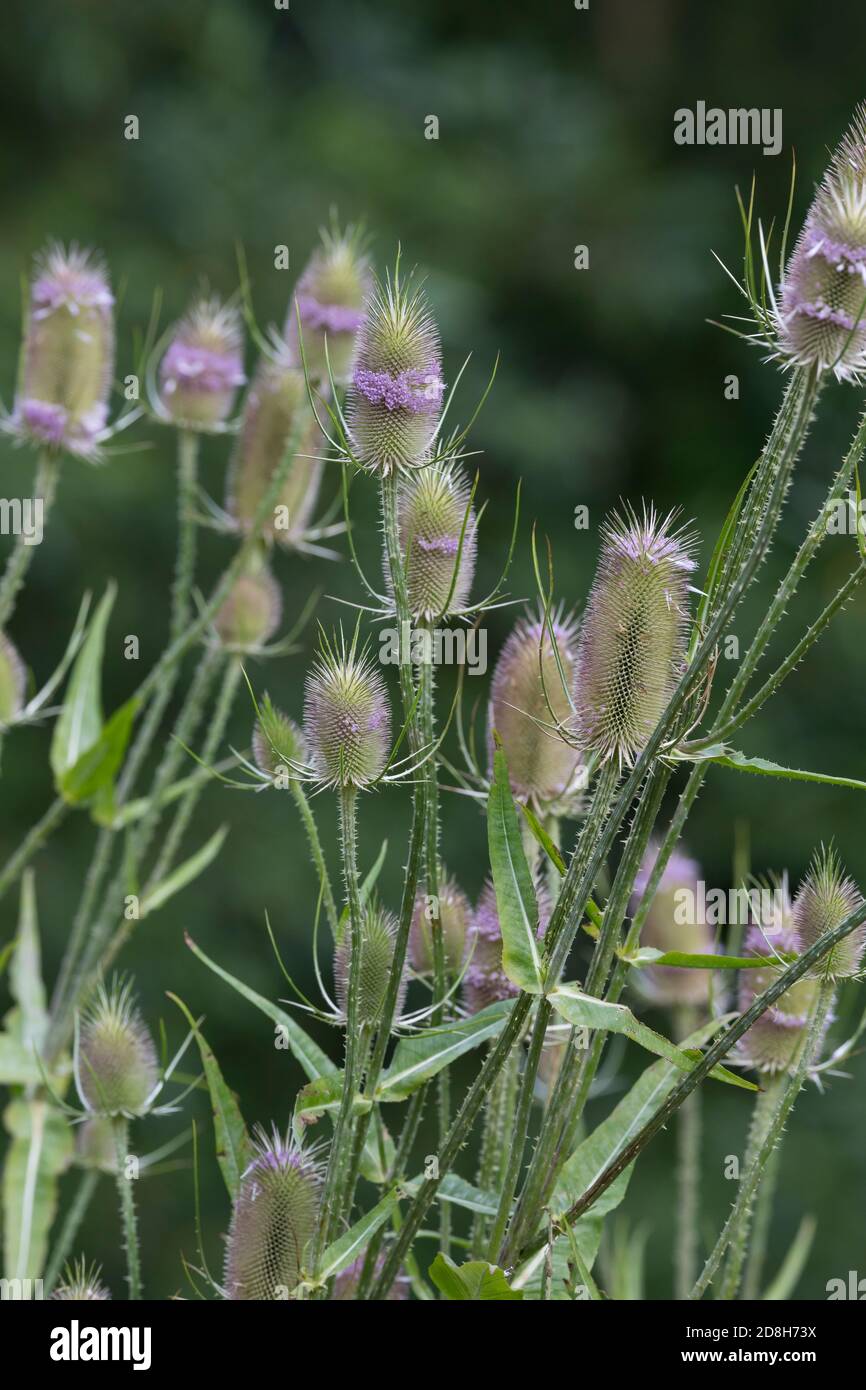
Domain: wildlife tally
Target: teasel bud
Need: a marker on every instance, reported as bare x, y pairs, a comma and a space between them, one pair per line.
276, 413
346, 1283
529, 696
821, 314
455, 916
329, 301
632, 639
95, 1145
116, 1066
669, 926
81, 1283
432, 511
277, 740
484, 981
68, 354
273, 1220
395, 404
773, 1042
251, 613
378, 933
203, 366
13, 681
825, 898
347, 723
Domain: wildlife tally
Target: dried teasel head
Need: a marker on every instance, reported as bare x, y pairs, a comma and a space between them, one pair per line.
273, 1219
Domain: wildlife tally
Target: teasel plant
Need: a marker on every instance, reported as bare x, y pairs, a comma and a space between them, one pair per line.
599, 708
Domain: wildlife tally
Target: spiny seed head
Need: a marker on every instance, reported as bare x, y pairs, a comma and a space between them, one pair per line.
13, 681
378, 933
395, 402
276, 415
773, 1042
251, 613
203, 366
432, 512
347, 723
454, 913
484, 980
95, 1146
821, 318
68, 355
116, 1066
825, 898
529, 696
81, 1283
632, 641
664, 930
277, 740
329, 301
346, 1283
273, 1219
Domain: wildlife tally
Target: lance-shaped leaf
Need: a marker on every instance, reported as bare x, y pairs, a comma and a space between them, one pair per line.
234, 1151
476, 1281
686, 960
723, 756
340, 1255
184, 874
92, 775
418, 1058
584, 1011
80, 722
25, 975
515, 894
40, 1150
459, 1193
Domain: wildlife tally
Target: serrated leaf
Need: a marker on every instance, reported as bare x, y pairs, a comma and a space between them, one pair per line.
585, 1011
516, 903
40, 1150
323, 1096
25, 975
417, 1059
184, 874
80, 722
234, 1149
340, 1255
474, 1281
740, 762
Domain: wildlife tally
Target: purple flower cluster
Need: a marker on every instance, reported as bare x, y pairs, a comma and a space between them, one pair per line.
330, 318
413, 389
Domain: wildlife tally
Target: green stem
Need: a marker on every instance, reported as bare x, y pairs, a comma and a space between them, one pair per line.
688, 1139
127, 1207
44, 489
496, 1141
763, 1112
761, 1229
33, 841
317, 852
69, 1230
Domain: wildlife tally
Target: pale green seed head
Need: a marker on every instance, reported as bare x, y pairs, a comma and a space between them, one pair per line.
251, 614
116, 1065
825, 898
13, 681
347, 723
379, 930
438, 535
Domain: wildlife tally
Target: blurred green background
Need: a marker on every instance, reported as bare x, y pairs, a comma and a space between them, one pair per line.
555, 129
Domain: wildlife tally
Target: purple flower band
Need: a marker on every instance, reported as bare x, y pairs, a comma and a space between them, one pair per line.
333, 318
415, 390
200, 369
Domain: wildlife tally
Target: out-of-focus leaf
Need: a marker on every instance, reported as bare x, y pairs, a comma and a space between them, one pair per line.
416, 1059
515, 894
184, 874
684, 960
785, 1282
80, 722
25, 976
543, 838
40, 1149
458, 1193
234, 1150
94, 772
475, 1281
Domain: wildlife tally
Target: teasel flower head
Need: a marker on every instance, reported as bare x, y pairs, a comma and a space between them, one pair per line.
484, 980
277, 740
394, 407
820, 317
455, 916
347, 723
664, 930
116, 1068
329, 302
13, 682
251, 613
825, 898
438, 536
632, 639
81, 1283
378, 935
94, 1144
773, 1042
347, 1282
276, 417
202, 368
273, 1219
532, 701
67, 359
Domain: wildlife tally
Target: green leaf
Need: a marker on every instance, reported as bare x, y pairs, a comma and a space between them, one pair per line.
585, 1011
418, 1058
340, 1255
184, 874
94, 771
80, 721
312, 1059
320, 1097
459, 1193
785, 1282
25, 975
40, 1149
17, 1062
475, 1281
685, 960
740, 762
234, 1149
717, 561
512, 880
543, 838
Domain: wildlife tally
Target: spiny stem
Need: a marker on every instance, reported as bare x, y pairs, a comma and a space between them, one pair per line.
317, 852
44, 489
764, 1109
688, 1139
127, 1207
496, 1140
